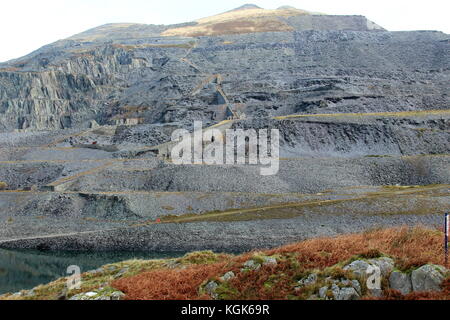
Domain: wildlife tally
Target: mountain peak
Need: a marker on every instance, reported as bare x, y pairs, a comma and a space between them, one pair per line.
247, 6
286, 8
248, 18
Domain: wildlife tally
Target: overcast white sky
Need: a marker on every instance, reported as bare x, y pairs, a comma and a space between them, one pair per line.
26, 25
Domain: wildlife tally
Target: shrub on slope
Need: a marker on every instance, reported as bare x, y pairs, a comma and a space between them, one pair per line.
411, 247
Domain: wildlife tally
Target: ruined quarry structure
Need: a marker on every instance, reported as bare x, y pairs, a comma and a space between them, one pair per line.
278, 62
86, 124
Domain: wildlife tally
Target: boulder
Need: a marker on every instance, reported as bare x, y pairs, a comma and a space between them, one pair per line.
96, 271
309, 280
117, 295
252, 265
343, 289
347, 294
121, 273
99, 294
400, 281
210, 289
228, 276
358, 268
428, 278
269, 261
353, 283
323, 292
385, 264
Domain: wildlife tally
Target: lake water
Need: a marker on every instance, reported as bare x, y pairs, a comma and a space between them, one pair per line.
20, 270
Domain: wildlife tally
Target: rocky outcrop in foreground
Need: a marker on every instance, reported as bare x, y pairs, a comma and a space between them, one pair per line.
354, 281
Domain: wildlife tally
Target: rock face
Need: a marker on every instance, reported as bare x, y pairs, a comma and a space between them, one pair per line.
137, 74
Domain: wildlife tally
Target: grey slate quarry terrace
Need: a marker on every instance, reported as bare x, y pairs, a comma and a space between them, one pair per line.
363, 114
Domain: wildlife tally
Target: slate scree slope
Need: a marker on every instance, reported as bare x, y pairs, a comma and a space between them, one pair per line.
86, 124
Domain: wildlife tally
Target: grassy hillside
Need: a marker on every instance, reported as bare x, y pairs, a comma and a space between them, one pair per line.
186, 277
239, 21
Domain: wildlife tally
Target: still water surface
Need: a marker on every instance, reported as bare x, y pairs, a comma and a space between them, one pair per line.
20, 270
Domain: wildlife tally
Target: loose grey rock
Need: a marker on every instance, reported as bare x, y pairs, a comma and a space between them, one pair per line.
90, 294
228, 276
120, 273
347, 294
309, 280
84, 296
400, 281
100, 294
323, 292
252, 265
375, 292
210, 288
270, 261
342, 289
63, 87
16, 295
96, 271
111, 268
117, 295
354, 283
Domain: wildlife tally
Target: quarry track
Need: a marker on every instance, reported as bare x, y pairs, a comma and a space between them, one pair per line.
270, 73
219, 236
90, 199
423, 113
362, 113
333, 212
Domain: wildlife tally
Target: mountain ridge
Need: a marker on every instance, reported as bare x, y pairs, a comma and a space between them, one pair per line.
245, 19
95, 74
